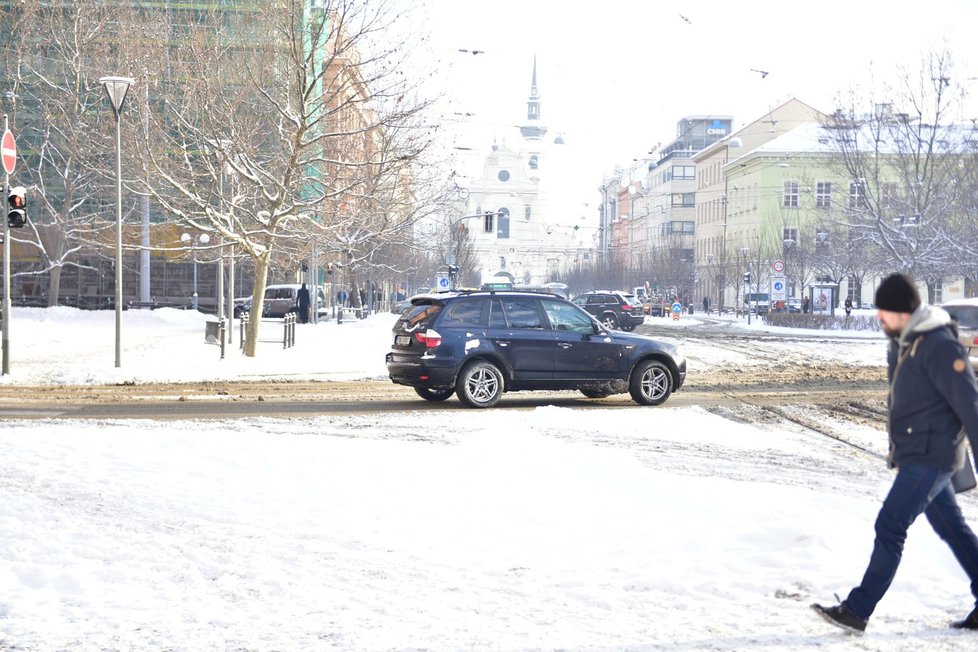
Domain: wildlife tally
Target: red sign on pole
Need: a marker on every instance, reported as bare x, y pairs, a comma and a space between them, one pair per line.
8, 148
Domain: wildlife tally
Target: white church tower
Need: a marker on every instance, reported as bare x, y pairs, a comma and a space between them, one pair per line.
526, 238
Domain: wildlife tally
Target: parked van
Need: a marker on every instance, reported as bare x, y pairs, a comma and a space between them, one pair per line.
282, 299
758, 302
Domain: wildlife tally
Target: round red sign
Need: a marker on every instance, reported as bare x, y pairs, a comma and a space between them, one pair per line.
9, 150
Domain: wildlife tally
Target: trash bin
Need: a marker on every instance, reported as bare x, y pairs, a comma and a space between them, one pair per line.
212, 332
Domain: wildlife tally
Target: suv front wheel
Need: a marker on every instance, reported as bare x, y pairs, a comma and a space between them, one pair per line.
479, 384
610, 321
651, 383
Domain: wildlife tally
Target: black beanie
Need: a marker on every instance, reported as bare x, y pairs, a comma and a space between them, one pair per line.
897, 293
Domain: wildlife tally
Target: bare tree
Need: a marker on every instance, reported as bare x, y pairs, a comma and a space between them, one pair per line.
289, 126
55, 56
901, 160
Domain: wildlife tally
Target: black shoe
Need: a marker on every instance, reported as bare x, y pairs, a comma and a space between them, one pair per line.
840, 616
971, 622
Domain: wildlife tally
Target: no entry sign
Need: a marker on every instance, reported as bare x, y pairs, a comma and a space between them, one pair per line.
9, 150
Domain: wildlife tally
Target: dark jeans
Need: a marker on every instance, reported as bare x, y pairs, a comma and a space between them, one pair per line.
916, 489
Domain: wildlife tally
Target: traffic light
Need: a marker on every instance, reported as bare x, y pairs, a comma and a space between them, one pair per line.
329, 268
453, 270
747, 278
17, 215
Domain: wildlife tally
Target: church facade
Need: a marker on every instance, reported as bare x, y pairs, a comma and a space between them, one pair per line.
526, 233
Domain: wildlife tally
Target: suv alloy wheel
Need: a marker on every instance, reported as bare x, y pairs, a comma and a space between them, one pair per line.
479, 384
651, 383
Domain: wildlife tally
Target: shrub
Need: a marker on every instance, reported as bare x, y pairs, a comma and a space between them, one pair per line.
822, 322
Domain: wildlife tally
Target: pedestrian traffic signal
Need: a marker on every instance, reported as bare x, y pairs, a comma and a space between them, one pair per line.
17, 200
329, 268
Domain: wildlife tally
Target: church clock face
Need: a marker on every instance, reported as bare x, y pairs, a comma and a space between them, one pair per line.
503, 175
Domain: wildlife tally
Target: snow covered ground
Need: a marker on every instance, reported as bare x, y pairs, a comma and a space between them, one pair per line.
668, 528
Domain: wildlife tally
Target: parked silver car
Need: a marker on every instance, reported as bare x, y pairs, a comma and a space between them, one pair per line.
282, 299
965, 313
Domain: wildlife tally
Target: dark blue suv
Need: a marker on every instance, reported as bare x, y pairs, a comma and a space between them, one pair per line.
479, 344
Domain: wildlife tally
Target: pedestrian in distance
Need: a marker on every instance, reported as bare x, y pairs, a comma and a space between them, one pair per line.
706, 305
933, 408
805, 305
848, 306
302, 304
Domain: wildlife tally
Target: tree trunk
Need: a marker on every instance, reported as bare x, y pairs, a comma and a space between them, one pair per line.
257, 304
54, 285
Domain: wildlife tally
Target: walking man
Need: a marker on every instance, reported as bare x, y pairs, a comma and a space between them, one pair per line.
933, 403
302, 301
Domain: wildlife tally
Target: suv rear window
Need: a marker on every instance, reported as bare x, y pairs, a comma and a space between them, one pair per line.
966, 316
420, 314
466, 312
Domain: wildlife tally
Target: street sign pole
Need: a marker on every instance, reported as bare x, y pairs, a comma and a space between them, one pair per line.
8, 152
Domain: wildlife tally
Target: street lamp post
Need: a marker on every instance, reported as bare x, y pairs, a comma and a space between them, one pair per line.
202, 239
116, 88
745, 252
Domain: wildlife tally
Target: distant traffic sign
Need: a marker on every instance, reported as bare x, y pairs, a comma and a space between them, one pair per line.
9, 150
677, 307
778, 266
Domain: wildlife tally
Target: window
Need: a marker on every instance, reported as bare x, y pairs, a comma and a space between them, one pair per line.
489, 223
686, 227
823, 194
857, 194
789, 237
522, 313
684, 199
502, 229
681, 255
687, 172
470, 312
790, 194
534, 162
854, 291
888, 195
496, 317
527, 212
566, 318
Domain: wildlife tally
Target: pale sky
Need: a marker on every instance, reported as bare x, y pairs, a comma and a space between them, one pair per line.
616, 77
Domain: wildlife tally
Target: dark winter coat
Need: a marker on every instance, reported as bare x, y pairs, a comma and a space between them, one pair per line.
933, 395
302, 298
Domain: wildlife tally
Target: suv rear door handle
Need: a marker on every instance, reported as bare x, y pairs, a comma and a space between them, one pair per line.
503, 342
564, 345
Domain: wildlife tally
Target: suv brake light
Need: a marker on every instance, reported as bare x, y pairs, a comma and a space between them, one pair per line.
430, 338
625, 307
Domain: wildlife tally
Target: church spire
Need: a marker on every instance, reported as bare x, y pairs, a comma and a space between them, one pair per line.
533, 129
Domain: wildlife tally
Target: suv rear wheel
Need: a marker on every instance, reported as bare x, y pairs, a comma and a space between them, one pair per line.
610, 321
479, 384
432, 394
651, 383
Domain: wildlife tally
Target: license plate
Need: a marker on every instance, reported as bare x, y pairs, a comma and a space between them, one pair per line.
402, 340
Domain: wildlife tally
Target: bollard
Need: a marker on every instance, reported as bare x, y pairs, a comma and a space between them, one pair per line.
288, 330
339, 315
244, 328
222, 331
